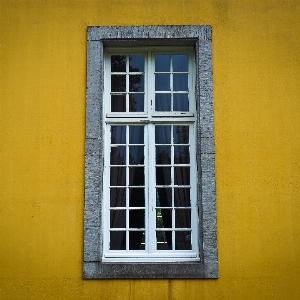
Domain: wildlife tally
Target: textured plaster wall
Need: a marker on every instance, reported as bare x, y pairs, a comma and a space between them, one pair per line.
256, 65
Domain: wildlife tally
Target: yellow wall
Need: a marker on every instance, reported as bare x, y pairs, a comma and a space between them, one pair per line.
256, 71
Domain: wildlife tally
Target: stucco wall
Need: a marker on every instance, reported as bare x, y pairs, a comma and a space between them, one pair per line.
256, 71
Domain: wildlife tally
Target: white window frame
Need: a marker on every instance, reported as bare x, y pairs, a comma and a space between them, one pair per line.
100, 38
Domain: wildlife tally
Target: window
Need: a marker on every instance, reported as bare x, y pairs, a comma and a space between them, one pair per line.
150, 185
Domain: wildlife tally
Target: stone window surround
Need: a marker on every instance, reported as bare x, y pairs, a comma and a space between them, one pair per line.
132, 36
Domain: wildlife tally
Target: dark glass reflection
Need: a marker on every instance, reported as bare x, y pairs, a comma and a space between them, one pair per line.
118, 176
163, 175
136, 240
118, 134
182, 197
118, 103
118, 83
163, 155
181, 175
163, 197
117, 218
163, 218
136, 155
181, 134
136, 197
182, 218
136, 102
118, 63
136, 176
117, 240
118, 155
181, 155
162, 102
136, 63
162, 63
136, 83
183, 240
180, 63
162, 82
137, 218
162, 134
164, 240
117, 197
180, 102
180, 82
136, 134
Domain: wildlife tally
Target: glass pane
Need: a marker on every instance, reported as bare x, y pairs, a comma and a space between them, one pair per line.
180, 63
137, 218
117, 176
117, 218
163, 176
181, 134
118, 83
136, 83
162, 82
118, 155
136, 197
163, 218
136, 134
181, 175
182, 218
118, 103
117, 240
136, 63
162, 63
181, 155
180, 82
181, 102
164, 240
136, 240
163, 155
183, 240
118, 63
182, 197
163, 197
136, 155
118, 134
163, 134
136, 102
136, 176
162, 102
117, 197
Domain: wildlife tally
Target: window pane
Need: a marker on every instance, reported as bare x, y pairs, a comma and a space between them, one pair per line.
182, 218
118, 83
136, 102
118, 63
164, 240
182, 197
183, 240
180, 82
136, 176
118, 218
136, 240
162, 102
117, 197
136, 197
117, 240
163, 218
181, 134
163, 134
180, 63
162, 63
181, 155
136, 83
181, 102
136, 63
118, 134
136, 134
118, 155
163, 197
182, 175
163, 175
118, 176
136, 155
162, 82
137, 218
118, 103
163, 155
